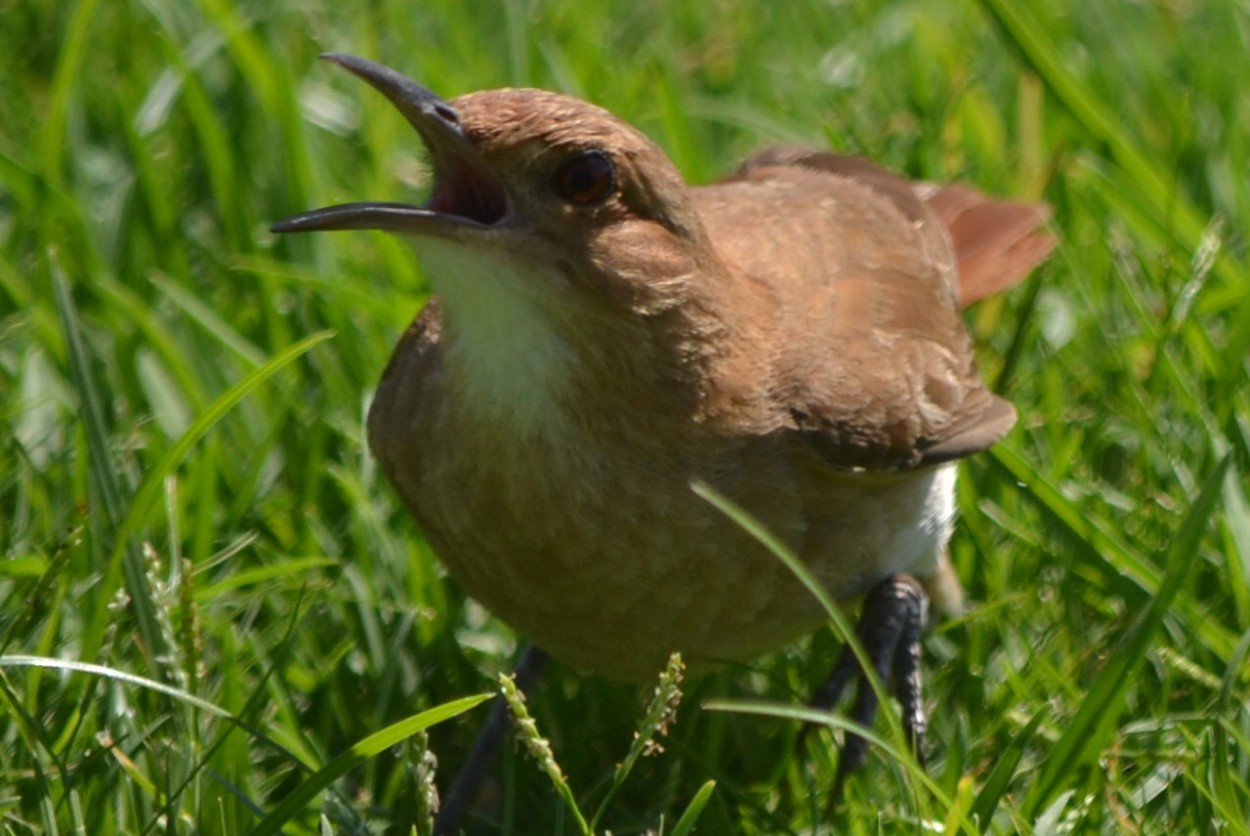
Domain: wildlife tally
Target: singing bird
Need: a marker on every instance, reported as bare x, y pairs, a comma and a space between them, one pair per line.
602, 335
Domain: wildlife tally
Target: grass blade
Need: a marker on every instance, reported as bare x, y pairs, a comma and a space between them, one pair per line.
358, 754
1226, 795
901, 751
1108, 546
1042, 54
150, 489
896, 751
1089, 731
689, 818
843, 627
1000, 777
102, 471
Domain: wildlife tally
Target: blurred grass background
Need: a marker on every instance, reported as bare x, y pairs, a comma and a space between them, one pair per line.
186, 498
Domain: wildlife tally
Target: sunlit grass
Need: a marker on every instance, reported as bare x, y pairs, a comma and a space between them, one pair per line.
213, 611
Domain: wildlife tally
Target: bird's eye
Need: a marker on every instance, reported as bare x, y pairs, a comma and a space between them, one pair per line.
585, 179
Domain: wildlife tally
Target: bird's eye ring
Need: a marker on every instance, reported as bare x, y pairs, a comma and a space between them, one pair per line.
585, 179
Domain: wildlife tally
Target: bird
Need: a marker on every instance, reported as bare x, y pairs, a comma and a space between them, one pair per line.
602, 335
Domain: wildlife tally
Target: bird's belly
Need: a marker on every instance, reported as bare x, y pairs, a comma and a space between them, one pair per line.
613, 567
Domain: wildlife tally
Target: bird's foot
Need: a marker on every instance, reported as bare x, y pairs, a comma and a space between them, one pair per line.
894, 613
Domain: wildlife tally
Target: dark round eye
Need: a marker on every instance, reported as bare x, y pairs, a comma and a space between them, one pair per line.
585, 179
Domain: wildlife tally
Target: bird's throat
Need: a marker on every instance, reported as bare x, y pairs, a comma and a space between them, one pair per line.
509, 362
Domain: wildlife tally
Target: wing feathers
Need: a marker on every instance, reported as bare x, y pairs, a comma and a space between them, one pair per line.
919, 400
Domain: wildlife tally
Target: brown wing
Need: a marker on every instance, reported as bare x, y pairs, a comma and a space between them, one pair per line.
877, 370
996, 242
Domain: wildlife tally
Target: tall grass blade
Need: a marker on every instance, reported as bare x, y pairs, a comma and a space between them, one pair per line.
1226, 795
150, 489
1108, 546
372, 745
901, 751
842, 626
685, 825
1097, 118
1088, 734
995, 786
108, 486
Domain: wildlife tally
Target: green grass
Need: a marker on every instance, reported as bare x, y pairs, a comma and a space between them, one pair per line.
213, 613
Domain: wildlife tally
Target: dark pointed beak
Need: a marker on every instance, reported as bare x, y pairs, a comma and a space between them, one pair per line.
464, 193
433, 117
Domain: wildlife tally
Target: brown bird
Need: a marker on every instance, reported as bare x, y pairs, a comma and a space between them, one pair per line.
602, 335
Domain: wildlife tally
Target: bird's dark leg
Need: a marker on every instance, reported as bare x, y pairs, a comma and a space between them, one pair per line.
486, 748
894, 613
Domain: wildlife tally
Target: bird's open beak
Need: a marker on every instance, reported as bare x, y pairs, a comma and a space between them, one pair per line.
466, 194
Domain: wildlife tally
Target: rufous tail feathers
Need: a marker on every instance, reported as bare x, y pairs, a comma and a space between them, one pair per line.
997, 242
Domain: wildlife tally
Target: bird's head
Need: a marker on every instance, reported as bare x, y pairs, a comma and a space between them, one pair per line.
532, 176
550, 224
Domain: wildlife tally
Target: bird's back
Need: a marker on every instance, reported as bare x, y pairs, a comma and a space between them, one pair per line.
867, 272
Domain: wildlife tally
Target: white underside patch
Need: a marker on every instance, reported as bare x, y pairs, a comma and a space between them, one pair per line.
937, 520
499, 335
